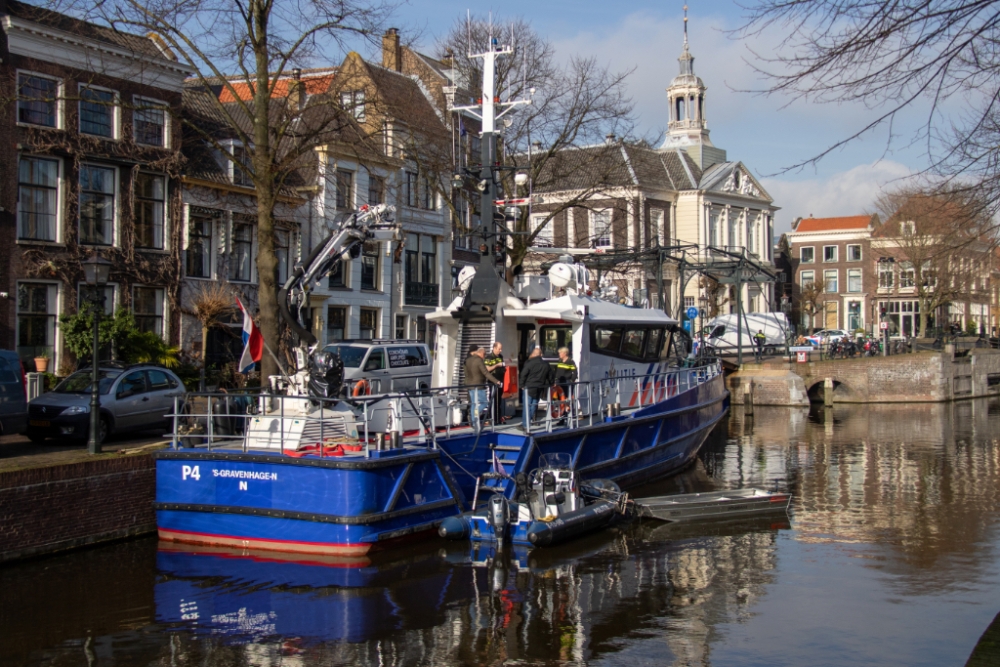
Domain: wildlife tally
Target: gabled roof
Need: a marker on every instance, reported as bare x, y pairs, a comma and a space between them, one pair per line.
611, 165
400, 96
136, 43
844, 223
314, 85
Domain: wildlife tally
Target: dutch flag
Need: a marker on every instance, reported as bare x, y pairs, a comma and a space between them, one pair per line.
253, 342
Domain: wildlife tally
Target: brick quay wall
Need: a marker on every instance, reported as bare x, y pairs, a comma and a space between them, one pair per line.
52, 508
905, 378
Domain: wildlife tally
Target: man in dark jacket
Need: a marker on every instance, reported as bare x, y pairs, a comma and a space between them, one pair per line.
535, 378
495, 365
476, 376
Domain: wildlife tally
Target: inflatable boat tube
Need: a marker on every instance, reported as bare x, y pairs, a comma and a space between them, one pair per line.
570, 525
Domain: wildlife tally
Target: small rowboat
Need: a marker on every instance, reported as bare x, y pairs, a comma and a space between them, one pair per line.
731, 504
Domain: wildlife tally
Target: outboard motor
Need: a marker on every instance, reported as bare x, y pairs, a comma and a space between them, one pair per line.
499, 516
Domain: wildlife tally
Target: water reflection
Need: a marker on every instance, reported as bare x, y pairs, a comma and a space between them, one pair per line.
891, 557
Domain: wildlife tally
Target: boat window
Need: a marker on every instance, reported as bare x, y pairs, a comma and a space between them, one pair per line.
557, 460
653, 345
606, 340
376, 360
665, 346
632, 344
406, 356
555, 337
351, 355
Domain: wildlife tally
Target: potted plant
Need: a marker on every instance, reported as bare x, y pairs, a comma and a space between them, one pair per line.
42, 361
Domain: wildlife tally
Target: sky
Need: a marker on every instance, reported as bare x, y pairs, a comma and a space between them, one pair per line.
767, 134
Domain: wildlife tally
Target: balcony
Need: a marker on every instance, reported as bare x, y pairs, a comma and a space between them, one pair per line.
421, 294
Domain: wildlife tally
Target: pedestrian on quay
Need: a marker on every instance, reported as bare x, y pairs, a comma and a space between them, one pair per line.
476, 377
535, 378
495, 365
759, 339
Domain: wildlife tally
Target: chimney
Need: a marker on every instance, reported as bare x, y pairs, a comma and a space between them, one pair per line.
610, 138
392, 53
297, 90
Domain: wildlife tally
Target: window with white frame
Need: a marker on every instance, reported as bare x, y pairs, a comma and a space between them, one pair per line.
854, 280
376, 190
829, 253
85, 293
37, 307
400, 330
688, 302
97, 204
806, 278
282, 254
149, 122
886, 275
854, 253
37, 198
37, 100
714, 227
147, 308
353, 101
345, 181
906, 275
200, 241
368, 322
336, 323
150, 201
241, 249
929, 276
240, 166
601, 233
410, 189
338, 274
830, 278
98, 112
656, 228
427, 198
907, 228
807, 255
369, 265
544, 238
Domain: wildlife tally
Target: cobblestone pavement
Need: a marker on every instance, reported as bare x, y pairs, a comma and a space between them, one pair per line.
17, 452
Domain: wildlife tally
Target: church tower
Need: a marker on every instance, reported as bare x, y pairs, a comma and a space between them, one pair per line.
687, 129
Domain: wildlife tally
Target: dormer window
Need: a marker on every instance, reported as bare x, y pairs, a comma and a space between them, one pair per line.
353, 101
907, 228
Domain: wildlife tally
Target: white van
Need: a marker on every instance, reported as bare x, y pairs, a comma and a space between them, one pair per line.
723, 332
383, 366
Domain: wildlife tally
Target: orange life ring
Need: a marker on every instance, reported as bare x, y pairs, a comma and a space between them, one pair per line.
559, 404
361, 388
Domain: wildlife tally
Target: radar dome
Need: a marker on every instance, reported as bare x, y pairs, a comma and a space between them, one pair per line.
562, 275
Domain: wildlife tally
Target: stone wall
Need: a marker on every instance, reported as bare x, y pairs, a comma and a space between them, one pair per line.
53, 508
907, 378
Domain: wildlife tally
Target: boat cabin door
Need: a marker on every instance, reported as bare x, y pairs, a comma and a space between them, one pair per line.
527, 340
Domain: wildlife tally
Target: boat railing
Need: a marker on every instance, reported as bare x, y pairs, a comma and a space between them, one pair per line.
580, 403
212, 420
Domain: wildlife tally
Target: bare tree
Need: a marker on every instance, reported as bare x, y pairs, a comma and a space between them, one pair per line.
890, 56
939, 243
262, 42
574, 104
811, 299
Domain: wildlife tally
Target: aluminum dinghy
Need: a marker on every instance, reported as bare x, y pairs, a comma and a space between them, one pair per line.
730, 504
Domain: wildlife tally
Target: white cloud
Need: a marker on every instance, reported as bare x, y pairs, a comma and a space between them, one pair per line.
851, 192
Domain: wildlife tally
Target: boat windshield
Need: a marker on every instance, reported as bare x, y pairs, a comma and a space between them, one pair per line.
557, 460
351, 355
79, 382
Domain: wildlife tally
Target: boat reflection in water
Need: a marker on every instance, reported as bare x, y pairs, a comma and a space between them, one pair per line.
453, 604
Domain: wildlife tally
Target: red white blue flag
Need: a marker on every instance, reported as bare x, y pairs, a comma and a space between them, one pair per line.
253, 342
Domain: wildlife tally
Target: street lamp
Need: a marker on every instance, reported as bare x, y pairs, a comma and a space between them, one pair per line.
96, 272
786, 308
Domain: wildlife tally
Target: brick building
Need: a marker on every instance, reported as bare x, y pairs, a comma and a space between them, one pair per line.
89, 114
831, 264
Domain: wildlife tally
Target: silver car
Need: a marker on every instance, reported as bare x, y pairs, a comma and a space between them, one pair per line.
132, 399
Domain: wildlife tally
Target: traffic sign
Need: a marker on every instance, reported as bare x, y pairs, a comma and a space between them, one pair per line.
883, 325
692, 312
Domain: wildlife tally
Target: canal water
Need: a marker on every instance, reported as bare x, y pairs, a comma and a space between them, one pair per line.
890, 556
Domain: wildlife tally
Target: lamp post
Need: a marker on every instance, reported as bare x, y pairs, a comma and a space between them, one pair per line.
96, 271
786, 308
702, 304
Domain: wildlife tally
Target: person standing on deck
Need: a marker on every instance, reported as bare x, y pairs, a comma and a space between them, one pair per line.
496, 367
535, 379
476, 376
566, 374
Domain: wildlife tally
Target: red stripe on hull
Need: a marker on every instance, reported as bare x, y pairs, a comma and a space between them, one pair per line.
289, 546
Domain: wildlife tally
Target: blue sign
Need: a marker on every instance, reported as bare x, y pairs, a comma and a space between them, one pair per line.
687, 326
692, 313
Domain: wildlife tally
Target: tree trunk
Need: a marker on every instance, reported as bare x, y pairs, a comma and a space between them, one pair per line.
204, 356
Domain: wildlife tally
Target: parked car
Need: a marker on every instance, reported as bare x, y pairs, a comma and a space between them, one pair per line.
382, 366
827, 336
13, 394
135, 398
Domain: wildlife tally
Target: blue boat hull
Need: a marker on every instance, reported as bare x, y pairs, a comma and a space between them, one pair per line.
353, 504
